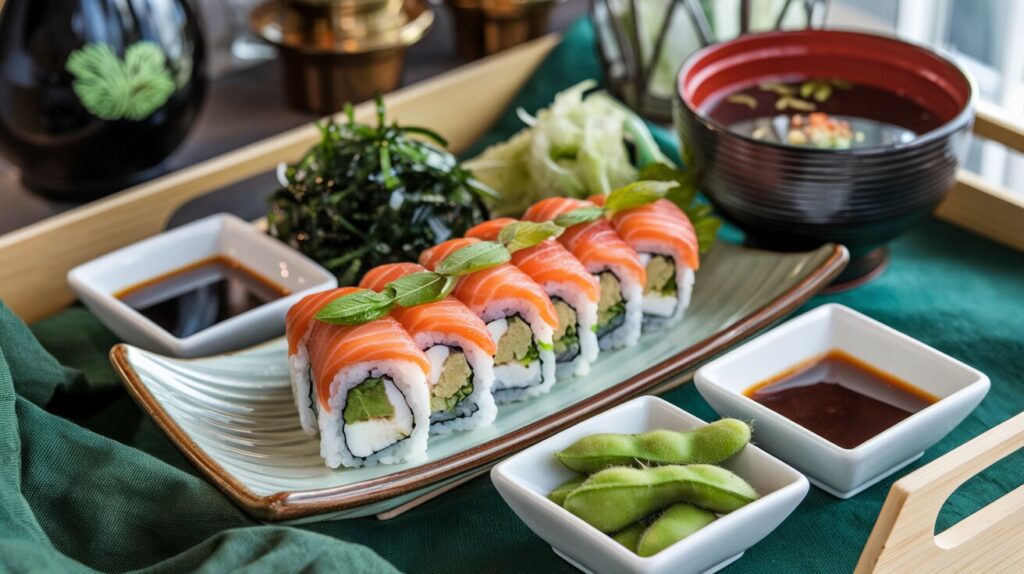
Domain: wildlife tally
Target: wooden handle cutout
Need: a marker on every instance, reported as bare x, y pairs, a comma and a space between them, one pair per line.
990, 540
984, 207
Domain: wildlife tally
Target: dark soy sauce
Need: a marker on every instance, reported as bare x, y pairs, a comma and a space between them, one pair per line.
197, 296
873, 117
840, 398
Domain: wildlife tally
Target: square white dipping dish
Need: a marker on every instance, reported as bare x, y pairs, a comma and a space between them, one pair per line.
97, 282
525, 479
840, 471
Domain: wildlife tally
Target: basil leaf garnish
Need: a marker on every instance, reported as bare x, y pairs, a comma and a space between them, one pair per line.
419, 288
637, 194
524, 234
683, 195
474, 257
706, 228
579, 215
356, 308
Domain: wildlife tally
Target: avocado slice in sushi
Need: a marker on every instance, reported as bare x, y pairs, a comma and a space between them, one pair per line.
368, 400
517, 363
376, 416
661, 292
516, 343
661, 276
453, 384
611, 308
566, 339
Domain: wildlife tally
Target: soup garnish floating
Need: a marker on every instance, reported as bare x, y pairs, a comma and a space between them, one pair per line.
826, 113
840, 398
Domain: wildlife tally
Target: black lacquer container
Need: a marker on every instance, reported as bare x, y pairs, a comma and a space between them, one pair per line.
95, 94
793, 198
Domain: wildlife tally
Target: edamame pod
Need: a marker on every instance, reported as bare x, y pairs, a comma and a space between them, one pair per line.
677, 522
630, 536
709, 444
562, 490
617, 497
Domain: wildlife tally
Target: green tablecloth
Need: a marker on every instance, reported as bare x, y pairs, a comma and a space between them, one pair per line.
87, 481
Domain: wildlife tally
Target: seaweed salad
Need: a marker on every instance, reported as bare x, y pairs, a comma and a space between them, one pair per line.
366, 195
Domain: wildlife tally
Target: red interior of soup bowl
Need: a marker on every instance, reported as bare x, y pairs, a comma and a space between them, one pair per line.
886, 63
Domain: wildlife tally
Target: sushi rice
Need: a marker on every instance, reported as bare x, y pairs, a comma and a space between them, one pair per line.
628, 333
586, 328
663, 310
573, 291
515, 381
305, 403
401, 438
476, 410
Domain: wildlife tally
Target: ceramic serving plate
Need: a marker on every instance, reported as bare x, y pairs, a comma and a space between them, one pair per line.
233, 416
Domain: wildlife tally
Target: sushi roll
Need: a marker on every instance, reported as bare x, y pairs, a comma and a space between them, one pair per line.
666, 242
519, 316
460, 350
616, 265
298, 324
372, 398
573, 291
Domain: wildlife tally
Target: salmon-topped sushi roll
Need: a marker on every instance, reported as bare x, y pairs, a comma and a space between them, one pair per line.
459, 348
372, 399
519, 316
616, 265
574, 292
666, 242
298, 324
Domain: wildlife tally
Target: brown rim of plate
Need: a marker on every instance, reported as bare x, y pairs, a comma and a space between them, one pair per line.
293, 505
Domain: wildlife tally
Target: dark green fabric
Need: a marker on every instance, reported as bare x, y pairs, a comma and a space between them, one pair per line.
74, 500
91, 482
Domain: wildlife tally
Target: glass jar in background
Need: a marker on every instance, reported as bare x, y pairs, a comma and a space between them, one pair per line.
643, 44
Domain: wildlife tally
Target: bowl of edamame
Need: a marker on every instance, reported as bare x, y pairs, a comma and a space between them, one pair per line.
649, 488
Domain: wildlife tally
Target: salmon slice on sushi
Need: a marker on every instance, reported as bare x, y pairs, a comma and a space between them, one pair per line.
459, 348
574, 292
372, 397
519, 316
299, 323
620, 273
664, 238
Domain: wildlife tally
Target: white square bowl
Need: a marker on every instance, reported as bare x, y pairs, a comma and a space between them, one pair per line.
525, 479
840, 471
97, 281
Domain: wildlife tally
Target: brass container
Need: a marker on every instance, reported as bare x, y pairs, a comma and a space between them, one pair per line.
483, 27
339, 51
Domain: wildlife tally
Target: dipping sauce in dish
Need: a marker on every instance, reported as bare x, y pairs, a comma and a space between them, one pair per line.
200, 295
825, 113
840, 398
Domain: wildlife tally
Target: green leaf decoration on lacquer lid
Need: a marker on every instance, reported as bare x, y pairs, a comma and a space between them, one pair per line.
112, 89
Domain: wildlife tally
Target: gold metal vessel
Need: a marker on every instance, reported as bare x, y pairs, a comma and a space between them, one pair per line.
338, 51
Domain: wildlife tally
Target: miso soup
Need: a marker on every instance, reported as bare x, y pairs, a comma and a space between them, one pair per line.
824, 113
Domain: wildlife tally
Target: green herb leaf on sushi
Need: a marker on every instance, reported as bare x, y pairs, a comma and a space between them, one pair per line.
637, 194
473, 258
419, 288
580, 215
525, 234
356, 308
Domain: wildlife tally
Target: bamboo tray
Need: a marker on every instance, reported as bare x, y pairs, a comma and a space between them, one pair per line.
903, 538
